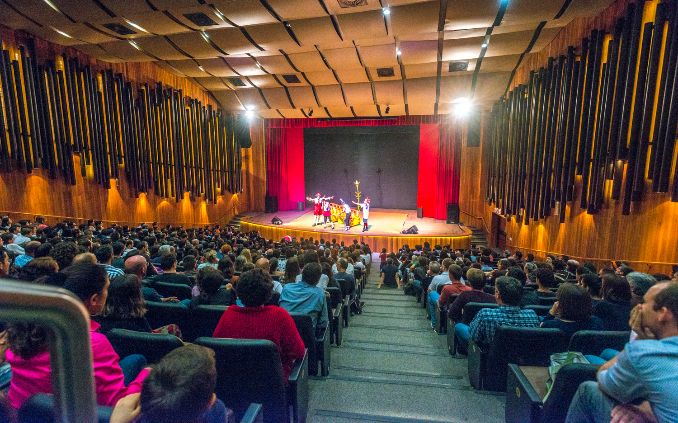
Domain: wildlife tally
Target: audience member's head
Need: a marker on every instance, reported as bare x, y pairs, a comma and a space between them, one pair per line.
593, 284
615, 289
85, 258
311, 273
255, 288
455, 273
188, 263
124, 298
476, 278
64, 253
517, 273
136, 265
209, 280
38, 267
640, 283
104, 254
545, 278
508, 291
659, 311
168, 262
574, 303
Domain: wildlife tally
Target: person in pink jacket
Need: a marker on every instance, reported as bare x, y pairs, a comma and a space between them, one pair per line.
28, 353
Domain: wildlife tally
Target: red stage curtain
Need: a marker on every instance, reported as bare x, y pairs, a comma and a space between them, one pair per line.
439, 153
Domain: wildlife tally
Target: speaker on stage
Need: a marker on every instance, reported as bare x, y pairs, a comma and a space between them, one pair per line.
276, 220
271, 204
452, 213
411, 230
301, 205
420, 212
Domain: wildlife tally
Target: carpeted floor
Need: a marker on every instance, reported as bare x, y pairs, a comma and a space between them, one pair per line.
392, 367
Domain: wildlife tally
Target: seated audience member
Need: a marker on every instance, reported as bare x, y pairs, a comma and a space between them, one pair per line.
179, 390
30, 249
615, 308
447, 295
640, 283
125, 308
442, 278
189, 265
345, 280
212, 288
530, 270
327, 271
572, 311
259, 321
306, 297
211, 260
312, 257
64, 252
389, 275
225, 266
508, 293
28, 353
476, 279
292, 270
264, 265
104, 255
168, 265
639, 384
4, 263
86, 257
420, 273
137, 265
350, 269
545, 280
8, 241
118, 250
592, 284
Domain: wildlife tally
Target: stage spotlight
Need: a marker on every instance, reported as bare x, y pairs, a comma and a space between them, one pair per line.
388, 109
462, 106
398, 52
310, 112
386, 11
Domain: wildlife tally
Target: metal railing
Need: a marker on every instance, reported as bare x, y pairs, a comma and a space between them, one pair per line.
70, 351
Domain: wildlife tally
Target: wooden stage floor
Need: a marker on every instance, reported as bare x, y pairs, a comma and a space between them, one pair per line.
385, 226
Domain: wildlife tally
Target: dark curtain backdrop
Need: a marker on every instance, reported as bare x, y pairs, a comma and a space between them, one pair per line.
439, 154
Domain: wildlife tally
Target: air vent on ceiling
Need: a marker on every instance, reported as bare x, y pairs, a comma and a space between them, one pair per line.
200, 19
236, 82
351, 3
119, 29
385, 72
458, 66
291, 78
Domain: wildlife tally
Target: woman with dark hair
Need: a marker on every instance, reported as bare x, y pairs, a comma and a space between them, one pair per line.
615, 308
572, 311
327, 270
592, 284
292, 270
28, 352
125, 308
4, 263
38, 267
225, 266
259, 321
211, 283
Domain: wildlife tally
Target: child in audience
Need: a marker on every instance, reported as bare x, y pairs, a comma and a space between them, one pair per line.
179, 390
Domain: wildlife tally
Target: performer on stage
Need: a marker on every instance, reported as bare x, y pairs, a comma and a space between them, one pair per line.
317, 207
326, 208
347, 211
365, 206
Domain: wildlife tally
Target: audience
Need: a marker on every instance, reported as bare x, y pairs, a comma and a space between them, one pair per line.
125, 308
476, 279
450, 291
168, 265
572, 311
615, 307
212, 289
306, 297
389, 275
545, 280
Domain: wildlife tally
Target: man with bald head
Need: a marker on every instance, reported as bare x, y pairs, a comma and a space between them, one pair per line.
644, 373
137, 265
265, 265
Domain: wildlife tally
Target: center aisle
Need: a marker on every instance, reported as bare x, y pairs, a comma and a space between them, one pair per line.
392, 367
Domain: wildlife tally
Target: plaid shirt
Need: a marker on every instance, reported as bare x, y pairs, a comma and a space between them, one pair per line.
487, 320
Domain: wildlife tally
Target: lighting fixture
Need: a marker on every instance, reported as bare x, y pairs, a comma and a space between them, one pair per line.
135, 26
52, 5
205, 36
219, 13
388, 109
462, 106
249, 114
386, 11
249, 107
201, 68
483, 45
60, 32
398, 52
134, 44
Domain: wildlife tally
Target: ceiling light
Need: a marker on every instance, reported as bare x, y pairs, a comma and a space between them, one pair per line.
386, 11
52, 5
249, 107
60, 32
398, 52
462, 106
135, 26
201, 68
249, 114
483, 45
219, 13
205, 36
134, 44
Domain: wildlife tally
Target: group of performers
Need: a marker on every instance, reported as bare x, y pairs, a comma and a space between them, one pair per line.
322, 210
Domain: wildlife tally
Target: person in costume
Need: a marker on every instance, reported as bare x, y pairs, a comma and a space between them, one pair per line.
347, 217
365, 206
317, 207
327, 213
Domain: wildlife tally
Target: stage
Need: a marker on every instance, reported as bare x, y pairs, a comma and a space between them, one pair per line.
385, 226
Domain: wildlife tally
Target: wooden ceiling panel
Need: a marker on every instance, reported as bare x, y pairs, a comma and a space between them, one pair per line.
335, 8
533, 11
421, 108
157, 23
467, 33
467, 14
275, 64
81, 32
268, 114
352, 76
211, 83
421, 90
394, 110
300, 77
124, 50
357, 26
187, 67
545, 36
508, 43
462, 48
172, 4
230, 40
422, 70
358, 94
389, 92
321, 78
251, 99
419, 52
376, 77
52, 36
244, 12
343, 58
159, 47
315, 31
499, 63
128, 8
298, 9
379, 56
302, 96
330, 95
340, 111
216, 67
454, 87
426, 21
180, 14
491, 86
82, 10
366, 110
292, 113
277, 98
193, 44
264, 81
272, 37
308, 62
244, 65
41, 12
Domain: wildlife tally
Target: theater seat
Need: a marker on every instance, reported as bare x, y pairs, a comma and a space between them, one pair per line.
179, 290
335, 310
441, 316
153, 346
249, 370
541, 310
201, 321
318, 346
525, 401
522, 346
592, 342
467, 314
162, 314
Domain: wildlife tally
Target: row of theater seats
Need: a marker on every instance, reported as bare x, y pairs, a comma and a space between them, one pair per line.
515, 352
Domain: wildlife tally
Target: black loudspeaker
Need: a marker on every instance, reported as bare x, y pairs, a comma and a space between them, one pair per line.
276, 220
473, 134
452, 213
271, 204
242, 132
411, 230
420, 212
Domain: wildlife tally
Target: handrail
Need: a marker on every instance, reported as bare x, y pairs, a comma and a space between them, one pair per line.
70, 351
482, 219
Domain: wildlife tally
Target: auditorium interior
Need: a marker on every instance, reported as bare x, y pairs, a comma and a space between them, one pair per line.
338, 211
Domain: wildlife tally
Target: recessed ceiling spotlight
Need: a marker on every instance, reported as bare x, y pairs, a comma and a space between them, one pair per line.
205, 36
249, 107
135, 26
60, 32
462, 106
249, 114
483, 45
52, 5
134, 44
219, 13
398, 52
386, 11
201, 68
